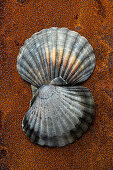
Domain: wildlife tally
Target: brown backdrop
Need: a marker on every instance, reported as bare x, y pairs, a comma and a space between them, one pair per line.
20, 19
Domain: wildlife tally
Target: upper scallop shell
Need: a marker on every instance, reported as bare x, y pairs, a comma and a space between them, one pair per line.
55, 52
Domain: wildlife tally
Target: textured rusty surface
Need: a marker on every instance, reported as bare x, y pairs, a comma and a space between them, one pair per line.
19, 20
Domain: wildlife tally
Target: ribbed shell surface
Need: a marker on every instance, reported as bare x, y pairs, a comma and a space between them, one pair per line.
59, 115
55, 52
54, 61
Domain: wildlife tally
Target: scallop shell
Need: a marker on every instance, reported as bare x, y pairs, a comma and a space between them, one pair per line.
53, 61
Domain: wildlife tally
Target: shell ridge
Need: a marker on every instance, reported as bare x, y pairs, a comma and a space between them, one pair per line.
38, 124
83, 105
22, 71
50, 130
79, 106
40, 61
57, 124
73, 94
43, 126
60, 49
60, 132
66, 53
54, 49
36, 57
75, 90
49, 42
73, 54
28, 115
48, 114
24, 122
81, 41
27, 64
47, 52
60, 125
51, 123
81, 94
51, 57
56, 63
31, 117
79, 100
26, 76
64, 114
27, 127
80, 69
64, 120
32, 121
71, 125
87, 73
44, 35
62, 73
61, 64
73, 117
42, 56
75, 110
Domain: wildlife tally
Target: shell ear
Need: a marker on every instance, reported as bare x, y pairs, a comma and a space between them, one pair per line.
34, 89
35, 94
58, 81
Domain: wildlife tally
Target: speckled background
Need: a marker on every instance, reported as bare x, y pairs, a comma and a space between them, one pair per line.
19, 20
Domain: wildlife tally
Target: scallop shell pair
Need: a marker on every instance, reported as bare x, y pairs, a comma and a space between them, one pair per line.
54, 61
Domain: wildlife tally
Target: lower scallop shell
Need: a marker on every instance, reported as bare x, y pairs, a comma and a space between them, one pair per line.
53, 61
58, 115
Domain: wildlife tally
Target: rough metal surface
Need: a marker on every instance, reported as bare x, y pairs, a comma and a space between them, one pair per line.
19, 20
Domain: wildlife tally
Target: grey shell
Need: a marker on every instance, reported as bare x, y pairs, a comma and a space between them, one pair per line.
54, 61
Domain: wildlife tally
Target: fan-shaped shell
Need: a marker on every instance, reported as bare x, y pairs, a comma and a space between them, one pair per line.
56, 52
59, 115
53, 61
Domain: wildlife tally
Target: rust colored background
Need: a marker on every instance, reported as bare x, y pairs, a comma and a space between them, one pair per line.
19, 20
